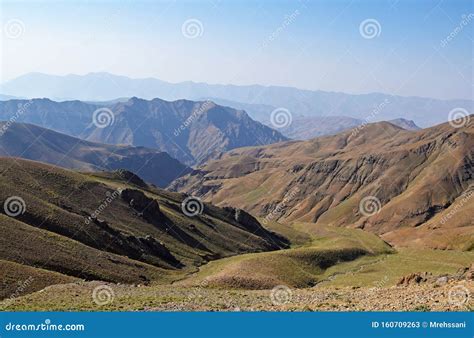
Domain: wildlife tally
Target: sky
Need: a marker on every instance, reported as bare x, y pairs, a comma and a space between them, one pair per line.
402, 47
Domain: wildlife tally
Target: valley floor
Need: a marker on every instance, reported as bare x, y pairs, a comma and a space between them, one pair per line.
365, 284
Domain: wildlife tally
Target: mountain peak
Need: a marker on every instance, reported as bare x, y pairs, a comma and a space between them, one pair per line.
189, 131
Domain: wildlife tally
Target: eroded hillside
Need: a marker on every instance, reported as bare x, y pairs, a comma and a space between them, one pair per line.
410, 187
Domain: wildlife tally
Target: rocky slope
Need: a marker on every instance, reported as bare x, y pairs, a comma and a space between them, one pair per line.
410, 187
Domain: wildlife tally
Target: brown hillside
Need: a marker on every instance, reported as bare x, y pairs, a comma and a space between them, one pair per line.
423, 180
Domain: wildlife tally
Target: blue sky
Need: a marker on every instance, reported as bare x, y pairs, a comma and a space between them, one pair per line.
310, 44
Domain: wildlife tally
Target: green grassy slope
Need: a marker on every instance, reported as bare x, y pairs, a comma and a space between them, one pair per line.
302, 266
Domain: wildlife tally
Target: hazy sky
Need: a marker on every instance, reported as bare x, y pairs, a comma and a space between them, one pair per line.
311, 44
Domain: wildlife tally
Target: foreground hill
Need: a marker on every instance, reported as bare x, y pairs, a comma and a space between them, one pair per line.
111, 227
410, 187
35, 143
189, 131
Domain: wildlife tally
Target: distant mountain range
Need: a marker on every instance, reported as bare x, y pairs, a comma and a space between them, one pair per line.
410, 187
306, 128
189, 131
105, 87
35, 143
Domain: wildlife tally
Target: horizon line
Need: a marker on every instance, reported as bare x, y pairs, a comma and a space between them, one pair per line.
221, 84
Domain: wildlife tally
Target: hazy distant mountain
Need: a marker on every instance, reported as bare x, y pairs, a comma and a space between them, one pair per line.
259, 112
306, 128
405, 124
35, 143
189, 131
9, 97
104, 87
70, 117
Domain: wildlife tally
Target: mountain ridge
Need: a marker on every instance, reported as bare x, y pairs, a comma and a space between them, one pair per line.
189, 131
105, 86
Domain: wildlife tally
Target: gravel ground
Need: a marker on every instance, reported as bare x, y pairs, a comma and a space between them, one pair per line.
98, 296
450, 297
